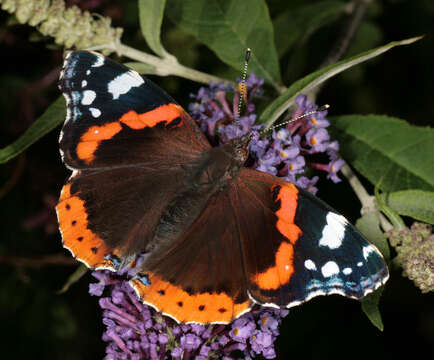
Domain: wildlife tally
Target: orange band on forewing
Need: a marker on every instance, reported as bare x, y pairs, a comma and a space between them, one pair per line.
77, 237
174, 301
281, 272
90, 140
151, 118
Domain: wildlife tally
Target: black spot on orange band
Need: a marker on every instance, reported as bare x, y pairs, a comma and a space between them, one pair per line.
76, 235
200, 307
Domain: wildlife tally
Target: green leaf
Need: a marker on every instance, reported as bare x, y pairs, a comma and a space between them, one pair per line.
50, 119
309, 82
141, 68
369, 226
151, 17
417, 204
370, 308
229, 28
295, 25
388, 148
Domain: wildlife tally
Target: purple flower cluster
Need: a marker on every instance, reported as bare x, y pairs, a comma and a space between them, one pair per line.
288, 153
136, 331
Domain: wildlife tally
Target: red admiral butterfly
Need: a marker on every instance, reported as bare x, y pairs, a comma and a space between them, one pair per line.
219, 237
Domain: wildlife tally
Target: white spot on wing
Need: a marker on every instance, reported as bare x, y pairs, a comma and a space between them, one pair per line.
99, 62
329, 269
347, 271
123, 83
368, 250
95, 112
333, 233
84, 83
87, 72
309, 264
359, 264
88, 97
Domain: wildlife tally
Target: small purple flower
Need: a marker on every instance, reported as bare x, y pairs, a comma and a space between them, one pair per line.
269, 352
296, 165
176, 353
268, 322
334, 167
289, 152
96, 289
260, 341
333, 148
223, 340
308, 184
205, 350
242, 328
190, 342
317, 139
259, 146
282, 135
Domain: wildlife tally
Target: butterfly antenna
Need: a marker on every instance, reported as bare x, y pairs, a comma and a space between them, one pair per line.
243, 87
321, 108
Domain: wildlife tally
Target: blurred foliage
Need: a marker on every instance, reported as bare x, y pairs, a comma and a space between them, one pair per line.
38, 324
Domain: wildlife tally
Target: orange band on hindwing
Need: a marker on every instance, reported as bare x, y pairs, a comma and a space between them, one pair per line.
281, 271
287, 196
184, 307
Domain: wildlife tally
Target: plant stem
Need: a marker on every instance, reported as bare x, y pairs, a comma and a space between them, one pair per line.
342, 43
164, 66
348, 32
367, 201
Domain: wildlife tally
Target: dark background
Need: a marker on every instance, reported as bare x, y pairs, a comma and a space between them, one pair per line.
36, 323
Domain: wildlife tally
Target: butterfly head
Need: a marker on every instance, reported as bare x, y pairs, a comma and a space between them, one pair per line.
240, 148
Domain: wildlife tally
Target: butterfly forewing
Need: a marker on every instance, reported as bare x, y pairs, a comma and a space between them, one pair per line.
115, 117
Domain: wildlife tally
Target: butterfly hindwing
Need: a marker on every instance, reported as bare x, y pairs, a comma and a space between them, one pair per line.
117, 117
200, 278
115, 211
314, 251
